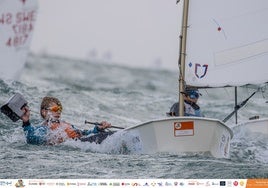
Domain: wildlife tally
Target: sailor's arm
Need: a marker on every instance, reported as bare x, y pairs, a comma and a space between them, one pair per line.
98, 128
34, 134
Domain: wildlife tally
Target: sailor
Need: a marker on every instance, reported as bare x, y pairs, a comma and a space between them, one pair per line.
190, 104
53, 130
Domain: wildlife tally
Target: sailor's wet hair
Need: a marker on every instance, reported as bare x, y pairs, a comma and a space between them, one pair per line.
46, 102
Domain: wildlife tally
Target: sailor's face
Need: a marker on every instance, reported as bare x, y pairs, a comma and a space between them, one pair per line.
187, 98
53, 110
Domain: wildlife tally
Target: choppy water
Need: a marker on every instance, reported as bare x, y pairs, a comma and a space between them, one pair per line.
125, 97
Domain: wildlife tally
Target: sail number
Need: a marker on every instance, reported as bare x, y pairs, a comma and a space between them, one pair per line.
19, 17
20, 25
17, 40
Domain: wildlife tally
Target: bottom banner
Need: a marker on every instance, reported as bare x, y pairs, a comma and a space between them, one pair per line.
103, 183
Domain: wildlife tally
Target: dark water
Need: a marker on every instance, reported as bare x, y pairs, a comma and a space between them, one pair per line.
125, 97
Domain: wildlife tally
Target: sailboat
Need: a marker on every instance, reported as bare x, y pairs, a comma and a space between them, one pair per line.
223, 44
259, 126
17, 19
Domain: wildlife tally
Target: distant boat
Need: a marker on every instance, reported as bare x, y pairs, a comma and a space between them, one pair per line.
255, 123
259, 126
17, 20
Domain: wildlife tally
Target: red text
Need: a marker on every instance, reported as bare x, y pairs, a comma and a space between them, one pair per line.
22, 28
17, 41
6, 18
25, 17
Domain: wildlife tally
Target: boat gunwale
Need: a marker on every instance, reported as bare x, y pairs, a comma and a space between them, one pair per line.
183, 118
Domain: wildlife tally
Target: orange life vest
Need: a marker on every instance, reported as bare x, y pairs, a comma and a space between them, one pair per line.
68, 129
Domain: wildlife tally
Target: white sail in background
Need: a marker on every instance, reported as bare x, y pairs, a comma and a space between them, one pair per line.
17, 18
227, 43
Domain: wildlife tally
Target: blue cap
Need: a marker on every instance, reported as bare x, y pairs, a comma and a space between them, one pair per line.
193, 93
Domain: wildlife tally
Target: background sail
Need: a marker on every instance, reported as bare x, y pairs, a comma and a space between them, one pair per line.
17, 18
227, 43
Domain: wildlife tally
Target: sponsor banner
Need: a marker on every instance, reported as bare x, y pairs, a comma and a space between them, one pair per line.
257, 183
103, 183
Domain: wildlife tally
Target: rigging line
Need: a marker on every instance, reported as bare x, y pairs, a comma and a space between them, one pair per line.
237, 107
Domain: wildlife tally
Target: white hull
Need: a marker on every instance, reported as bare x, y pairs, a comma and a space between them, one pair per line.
256, 125
17, 19
184, 134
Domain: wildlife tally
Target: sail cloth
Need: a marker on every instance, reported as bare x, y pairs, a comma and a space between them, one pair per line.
227, 43
17, 18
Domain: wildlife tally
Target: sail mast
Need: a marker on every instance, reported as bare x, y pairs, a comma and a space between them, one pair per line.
182, 56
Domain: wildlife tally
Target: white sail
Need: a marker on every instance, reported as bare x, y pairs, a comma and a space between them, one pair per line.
17, 18
227, 43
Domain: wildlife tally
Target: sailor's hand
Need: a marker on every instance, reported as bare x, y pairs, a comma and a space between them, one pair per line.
26, 116
104, 125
